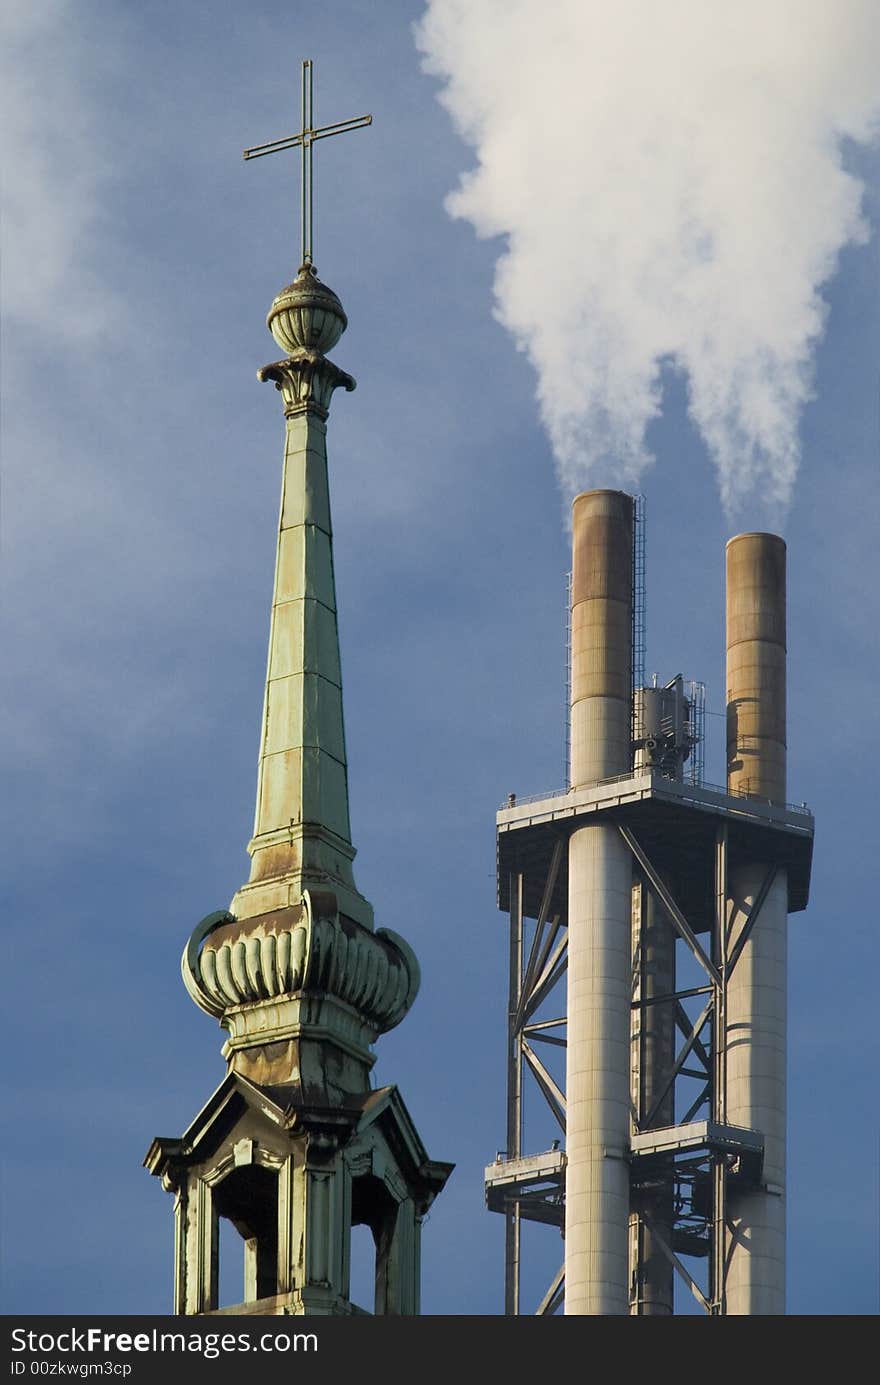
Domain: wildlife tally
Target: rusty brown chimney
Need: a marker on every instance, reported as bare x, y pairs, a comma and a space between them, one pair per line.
756, 666
601, 635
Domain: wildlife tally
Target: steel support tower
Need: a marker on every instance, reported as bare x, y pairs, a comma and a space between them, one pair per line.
663, 904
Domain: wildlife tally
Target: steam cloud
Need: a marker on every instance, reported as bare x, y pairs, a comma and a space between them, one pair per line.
670, 180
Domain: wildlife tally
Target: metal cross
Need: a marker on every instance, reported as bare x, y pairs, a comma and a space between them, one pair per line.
305, 138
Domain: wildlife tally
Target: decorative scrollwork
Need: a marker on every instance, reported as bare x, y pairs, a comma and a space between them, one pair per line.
377, 974
306, 381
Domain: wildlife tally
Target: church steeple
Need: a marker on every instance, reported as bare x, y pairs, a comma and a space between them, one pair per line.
294, 971
302, 832
295, 1146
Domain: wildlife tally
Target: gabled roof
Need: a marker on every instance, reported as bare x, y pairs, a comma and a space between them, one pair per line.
218, 1116
386, 1109
281, 1107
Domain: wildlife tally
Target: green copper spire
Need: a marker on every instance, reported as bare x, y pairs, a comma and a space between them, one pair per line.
302, 835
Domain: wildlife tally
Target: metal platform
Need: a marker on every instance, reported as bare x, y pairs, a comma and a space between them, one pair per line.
675, 822
535, 1182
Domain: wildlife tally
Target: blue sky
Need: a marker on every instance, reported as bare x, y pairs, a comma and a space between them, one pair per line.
141, 464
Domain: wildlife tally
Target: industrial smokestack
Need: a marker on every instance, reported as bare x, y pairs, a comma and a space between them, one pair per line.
653, 866
756, 666
756, 993
600, 909
601, 634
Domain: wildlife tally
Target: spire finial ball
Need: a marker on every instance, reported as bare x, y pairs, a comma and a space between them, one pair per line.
306, 315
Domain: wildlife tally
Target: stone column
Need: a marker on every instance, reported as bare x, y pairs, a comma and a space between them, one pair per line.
313, 1229
200, 1233
397, 1291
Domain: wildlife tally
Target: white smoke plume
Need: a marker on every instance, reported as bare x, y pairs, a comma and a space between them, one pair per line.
670, 179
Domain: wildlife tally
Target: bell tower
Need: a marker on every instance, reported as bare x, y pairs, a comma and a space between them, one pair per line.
295, 1147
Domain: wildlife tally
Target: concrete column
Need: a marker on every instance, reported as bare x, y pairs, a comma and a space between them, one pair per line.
756, 995
599, 922
756, 1051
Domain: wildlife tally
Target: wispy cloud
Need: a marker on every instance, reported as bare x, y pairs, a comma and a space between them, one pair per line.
56, 175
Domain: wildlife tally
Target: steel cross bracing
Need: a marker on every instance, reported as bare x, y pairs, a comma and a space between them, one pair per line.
531, 1188
691, 1159
303, 140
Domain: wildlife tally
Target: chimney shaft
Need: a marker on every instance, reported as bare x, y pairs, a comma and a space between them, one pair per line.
756, 666
599, 916
601, 635
756, 990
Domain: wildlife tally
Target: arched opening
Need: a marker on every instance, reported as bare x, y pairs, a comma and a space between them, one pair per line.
372, 1208
230, 1265
362, 1269
247, 1204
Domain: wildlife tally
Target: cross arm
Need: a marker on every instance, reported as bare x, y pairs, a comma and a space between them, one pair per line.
258, 150
294, 141
341, 126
